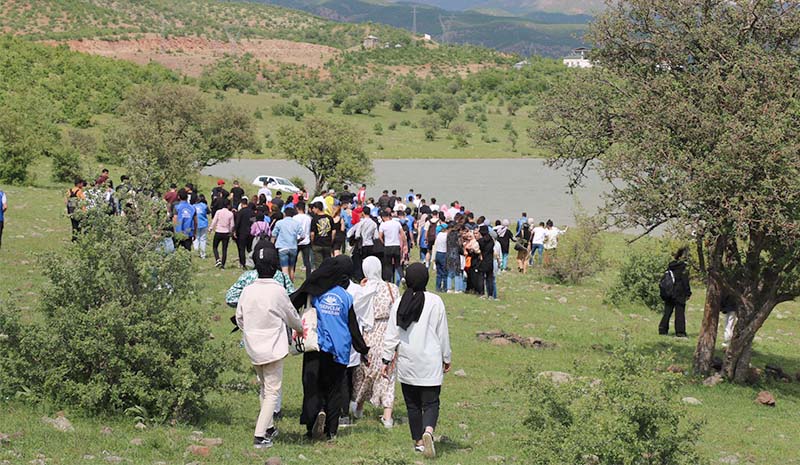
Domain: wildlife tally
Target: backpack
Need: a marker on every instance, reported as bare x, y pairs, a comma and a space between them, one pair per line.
72, 201
666, 286
430, 235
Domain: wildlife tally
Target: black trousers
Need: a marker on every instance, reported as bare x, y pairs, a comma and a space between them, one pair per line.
391, 262
488, 283
1, 231
76, 228
422, 403
243, 246
224, 239
680, 318
307, 263
359, 254
186, 244
321, 253
323, 380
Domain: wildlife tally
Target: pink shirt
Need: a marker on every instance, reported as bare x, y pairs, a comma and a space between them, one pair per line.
223, 221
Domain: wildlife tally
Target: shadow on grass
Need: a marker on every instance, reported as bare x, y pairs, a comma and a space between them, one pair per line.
684, 356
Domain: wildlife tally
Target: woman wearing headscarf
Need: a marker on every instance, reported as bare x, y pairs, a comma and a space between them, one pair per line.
455, 252
374, 302
486, 264
417, 333
262, 313
504, 237
337, 330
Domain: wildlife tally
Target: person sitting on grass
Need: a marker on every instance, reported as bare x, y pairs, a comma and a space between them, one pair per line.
263, 313
417, 333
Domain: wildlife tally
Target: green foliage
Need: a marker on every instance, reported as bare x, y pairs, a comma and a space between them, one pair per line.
231, 73
331, 150
377, 129
66, 164
298, 181
166, 133
401, 97
639, 276
460, 132
119, 326
291, 109
26, 132
631, 416
579, 254
430, 124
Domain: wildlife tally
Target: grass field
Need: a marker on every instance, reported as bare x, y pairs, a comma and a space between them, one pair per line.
481, 412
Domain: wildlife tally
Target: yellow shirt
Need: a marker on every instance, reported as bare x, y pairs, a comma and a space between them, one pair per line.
329, 205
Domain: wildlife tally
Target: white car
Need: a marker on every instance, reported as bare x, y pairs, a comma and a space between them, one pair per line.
276, 184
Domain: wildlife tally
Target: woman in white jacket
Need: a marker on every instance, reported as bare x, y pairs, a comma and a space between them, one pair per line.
263, 312
417, 332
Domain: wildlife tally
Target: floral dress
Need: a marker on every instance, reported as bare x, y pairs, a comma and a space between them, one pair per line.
368, 382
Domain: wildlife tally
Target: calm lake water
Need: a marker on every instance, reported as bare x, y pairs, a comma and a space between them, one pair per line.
496, 188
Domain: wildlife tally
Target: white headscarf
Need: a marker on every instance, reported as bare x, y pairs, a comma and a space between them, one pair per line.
362, 301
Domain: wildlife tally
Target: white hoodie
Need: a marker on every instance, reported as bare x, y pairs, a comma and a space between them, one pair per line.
423, 347
262, 314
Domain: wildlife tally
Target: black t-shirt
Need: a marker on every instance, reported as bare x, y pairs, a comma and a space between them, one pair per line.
277, 202
321, 226
238, 193
346, 197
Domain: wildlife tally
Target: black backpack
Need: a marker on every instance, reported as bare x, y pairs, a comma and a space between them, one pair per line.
666, 286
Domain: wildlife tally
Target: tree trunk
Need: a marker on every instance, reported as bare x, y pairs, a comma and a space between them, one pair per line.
319, 185
736, 366
707, 339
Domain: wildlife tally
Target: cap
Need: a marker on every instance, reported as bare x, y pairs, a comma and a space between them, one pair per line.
220, 182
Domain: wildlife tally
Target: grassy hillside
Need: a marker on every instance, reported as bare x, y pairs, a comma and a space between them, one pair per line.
482, 412
520, 7
547, 35
110, 19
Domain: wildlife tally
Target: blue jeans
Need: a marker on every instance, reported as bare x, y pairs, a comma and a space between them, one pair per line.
455, 281
441, 271
287, 257
504, 262
539, 247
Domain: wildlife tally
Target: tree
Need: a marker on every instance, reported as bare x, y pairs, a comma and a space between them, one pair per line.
448, 111
430, 125
26, 133
693, 118
331, 150
168, 132
401, 97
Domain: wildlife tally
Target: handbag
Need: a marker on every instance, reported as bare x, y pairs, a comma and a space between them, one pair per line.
308, 340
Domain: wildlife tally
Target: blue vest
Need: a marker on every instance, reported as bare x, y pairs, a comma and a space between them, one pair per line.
186, 214
2, 215
333, 331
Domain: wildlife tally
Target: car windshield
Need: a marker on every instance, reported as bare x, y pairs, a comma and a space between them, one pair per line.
282, 181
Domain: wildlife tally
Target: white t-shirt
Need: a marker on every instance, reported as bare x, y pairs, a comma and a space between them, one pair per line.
305, 223
539, 235
440, 245
266, 192
551, 242
391, 233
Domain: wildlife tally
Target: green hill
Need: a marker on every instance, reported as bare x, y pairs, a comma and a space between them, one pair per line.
539, 33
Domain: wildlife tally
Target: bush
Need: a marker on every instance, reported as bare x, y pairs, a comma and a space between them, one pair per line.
120, 324
298, 181
66, 165
632, 416
377, 129
639, 277
579, 254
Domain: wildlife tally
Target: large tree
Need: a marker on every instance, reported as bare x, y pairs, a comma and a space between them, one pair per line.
331, 150
169, 132
692, 115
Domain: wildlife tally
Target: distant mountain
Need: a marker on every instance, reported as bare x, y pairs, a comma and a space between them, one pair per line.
539, 33
521, 7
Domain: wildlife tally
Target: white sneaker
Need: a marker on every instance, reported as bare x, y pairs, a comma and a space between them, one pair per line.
388, 424
427, 441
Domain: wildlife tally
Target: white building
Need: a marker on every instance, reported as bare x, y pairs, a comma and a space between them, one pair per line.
521, 64
371, 42
578, 59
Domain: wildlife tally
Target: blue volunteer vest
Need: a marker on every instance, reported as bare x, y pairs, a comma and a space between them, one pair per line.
333, 331
2, 215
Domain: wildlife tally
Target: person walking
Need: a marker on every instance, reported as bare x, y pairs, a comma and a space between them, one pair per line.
551, 242
504, 237
391, 234
337, 332
340, 235
440, 259
322, 233
75, 196
538, 237
263, 313
418, 336
681, 292
523, 247
486, 264
455, 267
729, 309
223, 225
285, 235
184, 221
3, 209
304, 245
364, 235
243, 221
376, 298
201, 209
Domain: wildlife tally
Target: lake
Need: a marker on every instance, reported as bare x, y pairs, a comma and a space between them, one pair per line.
496, 188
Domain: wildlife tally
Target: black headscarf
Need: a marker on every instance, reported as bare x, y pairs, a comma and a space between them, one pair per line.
332, 272
413, 300
265, 258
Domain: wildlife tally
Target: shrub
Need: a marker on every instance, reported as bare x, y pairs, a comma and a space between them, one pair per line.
298, 181
631, 417
392, 126
377, 129
120, 324
639, 277
66, 164
579, 254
